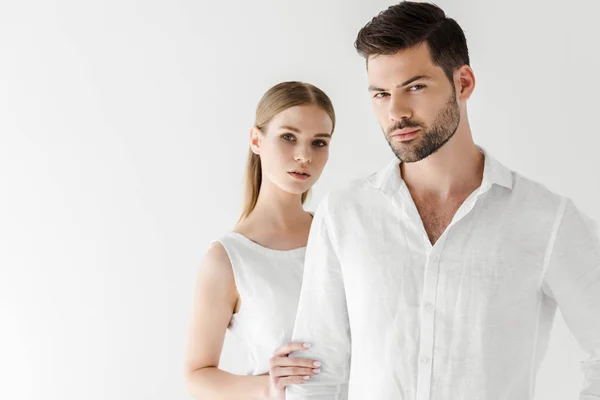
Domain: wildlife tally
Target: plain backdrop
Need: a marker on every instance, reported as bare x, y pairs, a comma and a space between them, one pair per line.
123, 139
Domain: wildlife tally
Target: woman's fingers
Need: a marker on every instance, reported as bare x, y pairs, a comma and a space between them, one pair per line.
288, 348
286, 370
293, 371
290, 380
294, 362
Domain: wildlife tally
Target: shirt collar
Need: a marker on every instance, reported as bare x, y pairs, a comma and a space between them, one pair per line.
389, 180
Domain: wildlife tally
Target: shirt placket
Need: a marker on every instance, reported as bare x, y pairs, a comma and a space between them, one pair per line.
425, 362
430, 288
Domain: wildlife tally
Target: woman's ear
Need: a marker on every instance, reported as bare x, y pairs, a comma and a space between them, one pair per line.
255, 139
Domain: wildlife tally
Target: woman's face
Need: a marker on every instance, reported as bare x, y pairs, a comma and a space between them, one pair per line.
295, 147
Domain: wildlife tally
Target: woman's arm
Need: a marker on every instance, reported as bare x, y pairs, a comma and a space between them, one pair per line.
215, 298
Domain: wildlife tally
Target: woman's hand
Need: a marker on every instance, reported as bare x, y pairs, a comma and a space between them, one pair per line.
285, 370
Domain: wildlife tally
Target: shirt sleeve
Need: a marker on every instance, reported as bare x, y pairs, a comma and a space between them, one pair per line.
322, 317
572, 279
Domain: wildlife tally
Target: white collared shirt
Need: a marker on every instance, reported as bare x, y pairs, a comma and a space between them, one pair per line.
392, 317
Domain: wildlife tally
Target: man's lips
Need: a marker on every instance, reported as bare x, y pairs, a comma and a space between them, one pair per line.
405, 134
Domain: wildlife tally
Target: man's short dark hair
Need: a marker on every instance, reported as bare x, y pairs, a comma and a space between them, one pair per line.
409, 24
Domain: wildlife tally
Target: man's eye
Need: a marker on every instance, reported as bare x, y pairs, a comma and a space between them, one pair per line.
416, 88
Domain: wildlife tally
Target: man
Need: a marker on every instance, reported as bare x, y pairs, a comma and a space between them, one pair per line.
439, 276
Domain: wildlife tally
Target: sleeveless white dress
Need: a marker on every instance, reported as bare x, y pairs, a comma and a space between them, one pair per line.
268, 282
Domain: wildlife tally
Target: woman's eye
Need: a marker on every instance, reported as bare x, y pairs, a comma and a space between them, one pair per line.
320, 143
287, 137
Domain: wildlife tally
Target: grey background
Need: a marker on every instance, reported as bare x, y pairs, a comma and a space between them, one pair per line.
123, 129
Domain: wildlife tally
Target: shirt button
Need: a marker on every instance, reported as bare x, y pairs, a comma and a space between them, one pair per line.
425, 360
429, 307
434, 259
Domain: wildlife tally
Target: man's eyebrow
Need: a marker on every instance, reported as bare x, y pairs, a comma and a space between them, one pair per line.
408, 82
414, 78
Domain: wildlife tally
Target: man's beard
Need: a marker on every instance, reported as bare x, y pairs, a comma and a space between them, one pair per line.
428, 141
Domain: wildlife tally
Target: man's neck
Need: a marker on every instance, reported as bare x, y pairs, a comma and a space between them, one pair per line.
455, 169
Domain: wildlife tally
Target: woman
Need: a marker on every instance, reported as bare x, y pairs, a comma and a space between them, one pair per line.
250, 279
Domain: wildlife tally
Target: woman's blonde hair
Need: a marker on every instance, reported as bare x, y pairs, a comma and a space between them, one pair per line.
277, 99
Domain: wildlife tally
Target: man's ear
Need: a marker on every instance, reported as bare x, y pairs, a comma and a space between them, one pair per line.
464, 81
